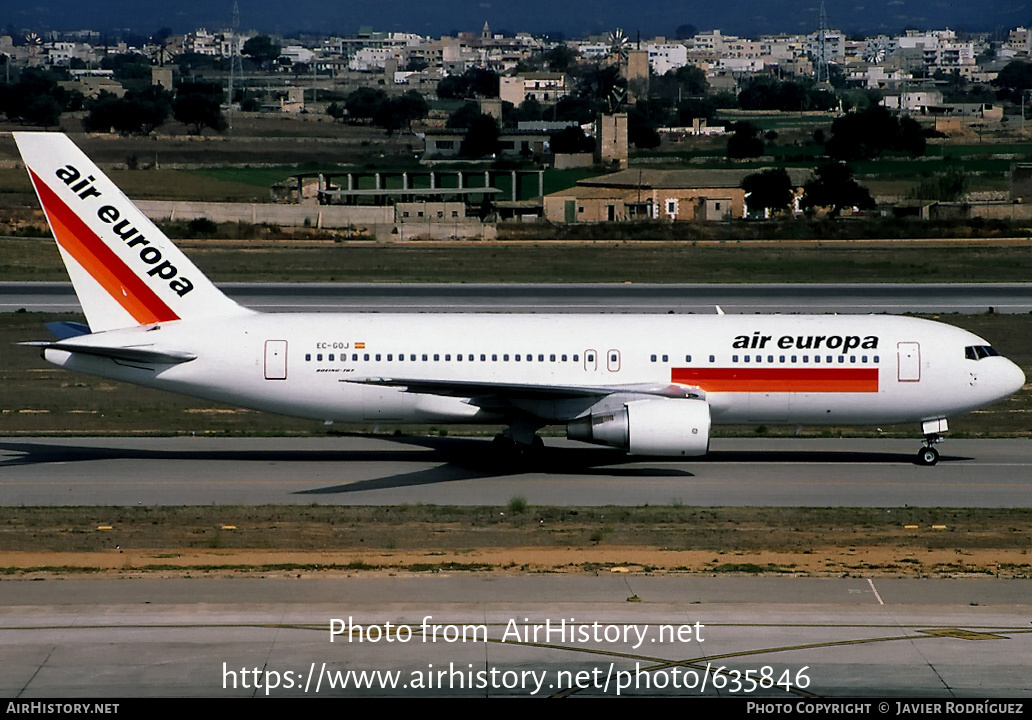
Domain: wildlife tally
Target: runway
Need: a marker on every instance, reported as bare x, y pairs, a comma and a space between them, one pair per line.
689, 298
383, 470
787, 639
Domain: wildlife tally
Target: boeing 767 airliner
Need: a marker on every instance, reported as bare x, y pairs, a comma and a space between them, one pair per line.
650, 384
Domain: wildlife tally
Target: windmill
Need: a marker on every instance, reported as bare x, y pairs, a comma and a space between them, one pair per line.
35, 44
618, 45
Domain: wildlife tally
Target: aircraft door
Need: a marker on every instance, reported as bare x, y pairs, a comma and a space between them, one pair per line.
613, 361
590, 360
275, 359
908, 356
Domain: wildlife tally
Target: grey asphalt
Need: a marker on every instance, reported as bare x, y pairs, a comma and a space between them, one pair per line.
384, 470
696, 298
857, 637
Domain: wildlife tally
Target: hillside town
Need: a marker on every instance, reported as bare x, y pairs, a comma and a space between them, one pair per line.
482, 126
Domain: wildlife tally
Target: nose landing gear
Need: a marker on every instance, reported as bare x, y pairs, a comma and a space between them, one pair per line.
928, 455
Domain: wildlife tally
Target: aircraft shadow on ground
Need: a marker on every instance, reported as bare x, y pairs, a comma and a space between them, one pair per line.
455, 459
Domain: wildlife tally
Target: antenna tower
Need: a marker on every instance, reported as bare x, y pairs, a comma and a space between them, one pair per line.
236, 66
822, 47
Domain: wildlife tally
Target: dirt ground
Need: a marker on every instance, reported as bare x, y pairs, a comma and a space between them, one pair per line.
340, 540
819, 562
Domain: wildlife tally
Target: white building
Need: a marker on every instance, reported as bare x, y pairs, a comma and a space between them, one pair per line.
666, 57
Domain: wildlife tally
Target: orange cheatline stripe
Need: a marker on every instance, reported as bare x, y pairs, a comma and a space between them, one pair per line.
815, 380
100, 261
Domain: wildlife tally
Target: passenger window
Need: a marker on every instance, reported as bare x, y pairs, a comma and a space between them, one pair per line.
377, 357
666, 358
308, 357
653, 358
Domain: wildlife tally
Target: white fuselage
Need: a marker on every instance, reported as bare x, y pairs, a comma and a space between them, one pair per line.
772, 369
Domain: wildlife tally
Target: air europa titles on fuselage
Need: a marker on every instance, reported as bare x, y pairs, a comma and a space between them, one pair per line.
843, 343
83, 187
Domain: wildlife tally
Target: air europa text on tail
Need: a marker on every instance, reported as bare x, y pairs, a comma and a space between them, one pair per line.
149, 254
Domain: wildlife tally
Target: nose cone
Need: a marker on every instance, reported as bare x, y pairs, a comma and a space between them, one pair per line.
1013, 379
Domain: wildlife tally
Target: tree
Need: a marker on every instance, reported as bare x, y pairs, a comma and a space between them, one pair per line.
400, 112
686, 31
571, 140
745, 141
834, 187
866, 134
37, 98
464, 117
560, 58
768, 190
262, 49
136, 112
688, 110
363, 103
474, 83
530, 110
1015, 77
481, 139
336, 111
200, 105
641, 129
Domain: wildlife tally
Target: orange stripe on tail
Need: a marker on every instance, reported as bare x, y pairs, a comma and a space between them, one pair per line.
100, 261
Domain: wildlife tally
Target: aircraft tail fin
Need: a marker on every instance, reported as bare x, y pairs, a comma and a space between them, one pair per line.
125, 271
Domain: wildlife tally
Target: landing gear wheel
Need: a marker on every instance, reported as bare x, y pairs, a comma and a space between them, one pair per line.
927, 456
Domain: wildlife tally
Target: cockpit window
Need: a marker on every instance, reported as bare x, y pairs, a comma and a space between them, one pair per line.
977, 352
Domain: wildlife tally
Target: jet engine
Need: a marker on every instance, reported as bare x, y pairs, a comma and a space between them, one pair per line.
655, 426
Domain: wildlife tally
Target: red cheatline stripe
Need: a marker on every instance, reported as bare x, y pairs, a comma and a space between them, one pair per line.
815, 380
100, 261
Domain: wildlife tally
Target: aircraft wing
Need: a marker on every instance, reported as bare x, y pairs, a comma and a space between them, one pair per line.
546, 401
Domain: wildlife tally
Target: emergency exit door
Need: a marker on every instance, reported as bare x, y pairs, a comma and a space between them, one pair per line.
275, 359
908, 355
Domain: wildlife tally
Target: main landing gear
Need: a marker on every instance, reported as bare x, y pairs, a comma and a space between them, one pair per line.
928, 455
519, 441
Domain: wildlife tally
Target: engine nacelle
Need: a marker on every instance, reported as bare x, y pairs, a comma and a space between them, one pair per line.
655, 426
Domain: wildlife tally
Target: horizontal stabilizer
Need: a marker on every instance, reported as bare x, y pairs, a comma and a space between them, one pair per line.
125, 354
65, 330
